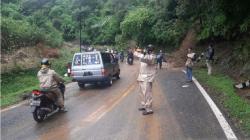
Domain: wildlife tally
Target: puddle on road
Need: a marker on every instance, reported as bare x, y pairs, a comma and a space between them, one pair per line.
185, 86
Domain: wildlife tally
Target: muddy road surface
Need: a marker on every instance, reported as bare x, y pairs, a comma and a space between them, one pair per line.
110, 113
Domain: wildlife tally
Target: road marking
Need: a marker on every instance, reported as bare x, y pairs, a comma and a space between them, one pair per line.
100, 112
223, 123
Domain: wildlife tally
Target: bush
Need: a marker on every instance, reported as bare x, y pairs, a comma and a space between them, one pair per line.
18, 33
169, 32
52, 36
137, 25
214, 26
245, 26
21, 33
108, 30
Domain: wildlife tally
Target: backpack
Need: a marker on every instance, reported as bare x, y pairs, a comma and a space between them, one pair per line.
159, 56
212, 54
194, 58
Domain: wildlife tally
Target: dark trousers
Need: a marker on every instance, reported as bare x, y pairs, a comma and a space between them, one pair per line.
159, 62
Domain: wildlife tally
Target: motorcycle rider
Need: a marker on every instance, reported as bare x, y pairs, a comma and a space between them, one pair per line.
116, 55
121, 56
49, 81
130, 56
145, 80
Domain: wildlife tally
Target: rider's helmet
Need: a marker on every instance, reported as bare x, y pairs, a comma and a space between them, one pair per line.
45, 62
150, 48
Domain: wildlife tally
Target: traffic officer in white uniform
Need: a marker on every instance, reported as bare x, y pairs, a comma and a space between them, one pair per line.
145, 80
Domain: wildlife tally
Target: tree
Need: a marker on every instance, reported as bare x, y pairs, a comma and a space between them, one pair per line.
137, 25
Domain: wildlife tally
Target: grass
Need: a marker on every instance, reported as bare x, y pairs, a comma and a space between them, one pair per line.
19, 82
223, 85
15, 84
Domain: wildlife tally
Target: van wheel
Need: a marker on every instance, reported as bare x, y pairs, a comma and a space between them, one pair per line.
117, 76
110, 82
81, 85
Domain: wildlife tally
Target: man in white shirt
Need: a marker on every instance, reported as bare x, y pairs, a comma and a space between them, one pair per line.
145, 80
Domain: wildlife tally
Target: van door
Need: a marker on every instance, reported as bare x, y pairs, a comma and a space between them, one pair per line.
106, 59
91, 64
76, 68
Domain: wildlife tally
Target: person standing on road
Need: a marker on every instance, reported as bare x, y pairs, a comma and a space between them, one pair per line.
189, 64
209, 58
49, 81
159, 59
121, 56
145, 80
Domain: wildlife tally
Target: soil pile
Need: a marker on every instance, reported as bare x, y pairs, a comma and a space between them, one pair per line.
178, 58
28, 57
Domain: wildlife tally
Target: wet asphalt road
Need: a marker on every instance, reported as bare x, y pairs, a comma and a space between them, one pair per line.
99, 113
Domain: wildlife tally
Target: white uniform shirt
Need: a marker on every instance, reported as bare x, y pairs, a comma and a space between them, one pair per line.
148, 68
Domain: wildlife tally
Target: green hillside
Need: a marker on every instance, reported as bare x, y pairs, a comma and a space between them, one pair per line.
162, 22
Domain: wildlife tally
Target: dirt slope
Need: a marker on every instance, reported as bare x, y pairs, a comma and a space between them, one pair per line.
178, 58
27, 57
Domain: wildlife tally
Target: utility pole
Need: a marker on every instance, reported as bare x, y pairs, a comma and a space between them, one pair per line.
80, 31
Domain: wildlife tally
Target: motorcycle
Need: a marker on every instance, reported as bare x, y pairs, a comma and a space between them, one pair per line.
42, 106
130, 60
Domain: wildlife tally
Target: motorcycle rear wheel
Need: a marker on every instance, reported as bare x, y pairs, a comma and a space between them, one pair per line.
39, 115
81, 85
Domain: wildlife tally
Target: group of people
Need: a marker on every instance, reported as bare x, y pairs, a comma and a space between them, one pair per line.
120, 55
49, 79
192, 58
149, 64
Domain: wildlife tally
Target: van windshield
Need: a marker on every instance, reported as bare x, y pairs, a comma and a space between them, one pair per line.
90, 59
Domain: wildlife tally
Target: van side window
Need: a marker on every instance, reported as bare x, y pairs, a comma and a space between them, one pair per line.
77, 60
106, 58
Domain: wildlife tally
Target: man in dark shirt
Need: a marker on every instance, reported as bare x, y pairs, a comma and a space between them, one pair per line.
209, 58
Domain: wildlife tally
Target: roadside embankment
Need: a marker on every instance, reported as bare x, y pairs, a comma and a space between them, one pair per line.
220, 87
20, 79
231, 66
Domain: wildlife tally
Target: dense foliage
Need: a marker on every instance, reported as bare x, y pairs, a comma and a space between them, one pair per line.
27, 22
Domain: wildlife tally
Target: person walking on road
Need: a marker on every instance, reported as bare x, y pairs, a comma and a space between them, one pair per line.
209, 58
145, 79
159, 59
189, 64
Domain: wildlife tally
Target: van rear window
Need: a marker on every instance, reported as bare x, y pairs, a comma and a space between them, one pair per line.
77, 60
90, 59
